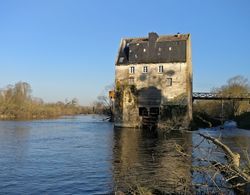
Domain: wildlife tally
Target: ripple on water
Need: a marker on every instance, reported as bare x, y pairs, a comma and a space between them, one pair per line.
84, 155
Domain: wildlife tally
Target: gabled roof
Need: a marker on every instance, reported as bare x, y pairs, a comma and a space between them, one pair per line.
153, 49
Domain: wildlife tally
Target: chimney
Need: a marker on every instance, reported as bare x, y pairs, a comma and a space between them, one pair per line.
152, 37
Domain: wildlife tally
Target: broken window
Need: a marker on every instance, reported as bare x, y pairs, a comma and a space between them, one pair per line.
131, 81
143, 111
154, 111
132, 70
169, 81
160, 69
145, 69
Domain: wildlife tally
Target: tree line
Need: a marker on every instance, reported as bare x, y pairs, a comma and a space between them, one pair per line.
16, 102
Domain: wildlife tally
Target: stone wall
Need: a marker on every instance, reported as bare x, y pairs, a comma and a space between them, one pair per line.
170, 91
178, 92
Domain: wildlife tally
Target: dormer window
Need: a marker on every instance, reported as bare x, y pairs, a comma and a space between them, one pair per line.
145, 69
160, 69
121, 59
132, 70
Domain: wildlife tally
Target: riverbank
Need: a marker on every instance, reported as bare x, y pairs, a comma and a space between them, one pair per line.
243, 120
38, 117
203, 120
41, 111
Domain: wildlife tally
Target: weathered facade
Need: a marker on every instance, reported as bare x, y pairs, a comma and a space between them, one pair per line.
153, 78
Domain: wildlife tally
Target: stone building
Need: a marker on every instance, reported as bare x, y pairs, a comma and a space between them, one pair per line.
153, 81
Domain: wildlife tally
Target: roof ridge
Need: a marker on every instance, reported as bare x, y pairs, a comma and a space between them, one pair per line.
159, 36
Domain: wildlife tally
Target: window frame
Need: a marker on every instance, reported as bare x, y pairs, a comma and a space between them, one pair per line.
169, 81
145, 69
132, 70
160, 69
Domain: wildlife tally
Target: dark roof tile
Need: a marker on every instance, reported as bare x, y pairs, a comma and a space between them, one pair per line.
153, 49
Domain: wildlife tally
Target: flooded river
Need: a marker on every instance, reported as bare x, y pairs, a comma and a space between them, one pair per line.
85, 155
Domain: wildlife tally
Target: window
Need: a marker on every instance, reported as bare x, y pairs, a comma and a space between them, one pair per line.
131, 81
169, 81
160, 69
145, 69
132, 70
121, 59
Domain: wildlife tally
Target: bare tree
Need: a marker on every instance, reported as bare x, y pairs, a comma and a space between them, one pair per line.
104, 104
216, 175
21, 93
237, 86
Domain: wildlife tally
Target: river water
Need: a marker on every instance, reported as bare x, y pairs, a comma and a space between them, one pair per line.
86, 155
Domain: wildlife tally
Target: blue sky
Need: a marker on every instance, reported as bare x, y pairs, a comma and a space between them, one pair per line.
67, 48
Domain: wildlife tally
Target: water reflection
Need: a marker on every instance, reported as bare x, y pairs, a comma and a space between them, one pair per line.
14, 139
151, 160
85, 155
